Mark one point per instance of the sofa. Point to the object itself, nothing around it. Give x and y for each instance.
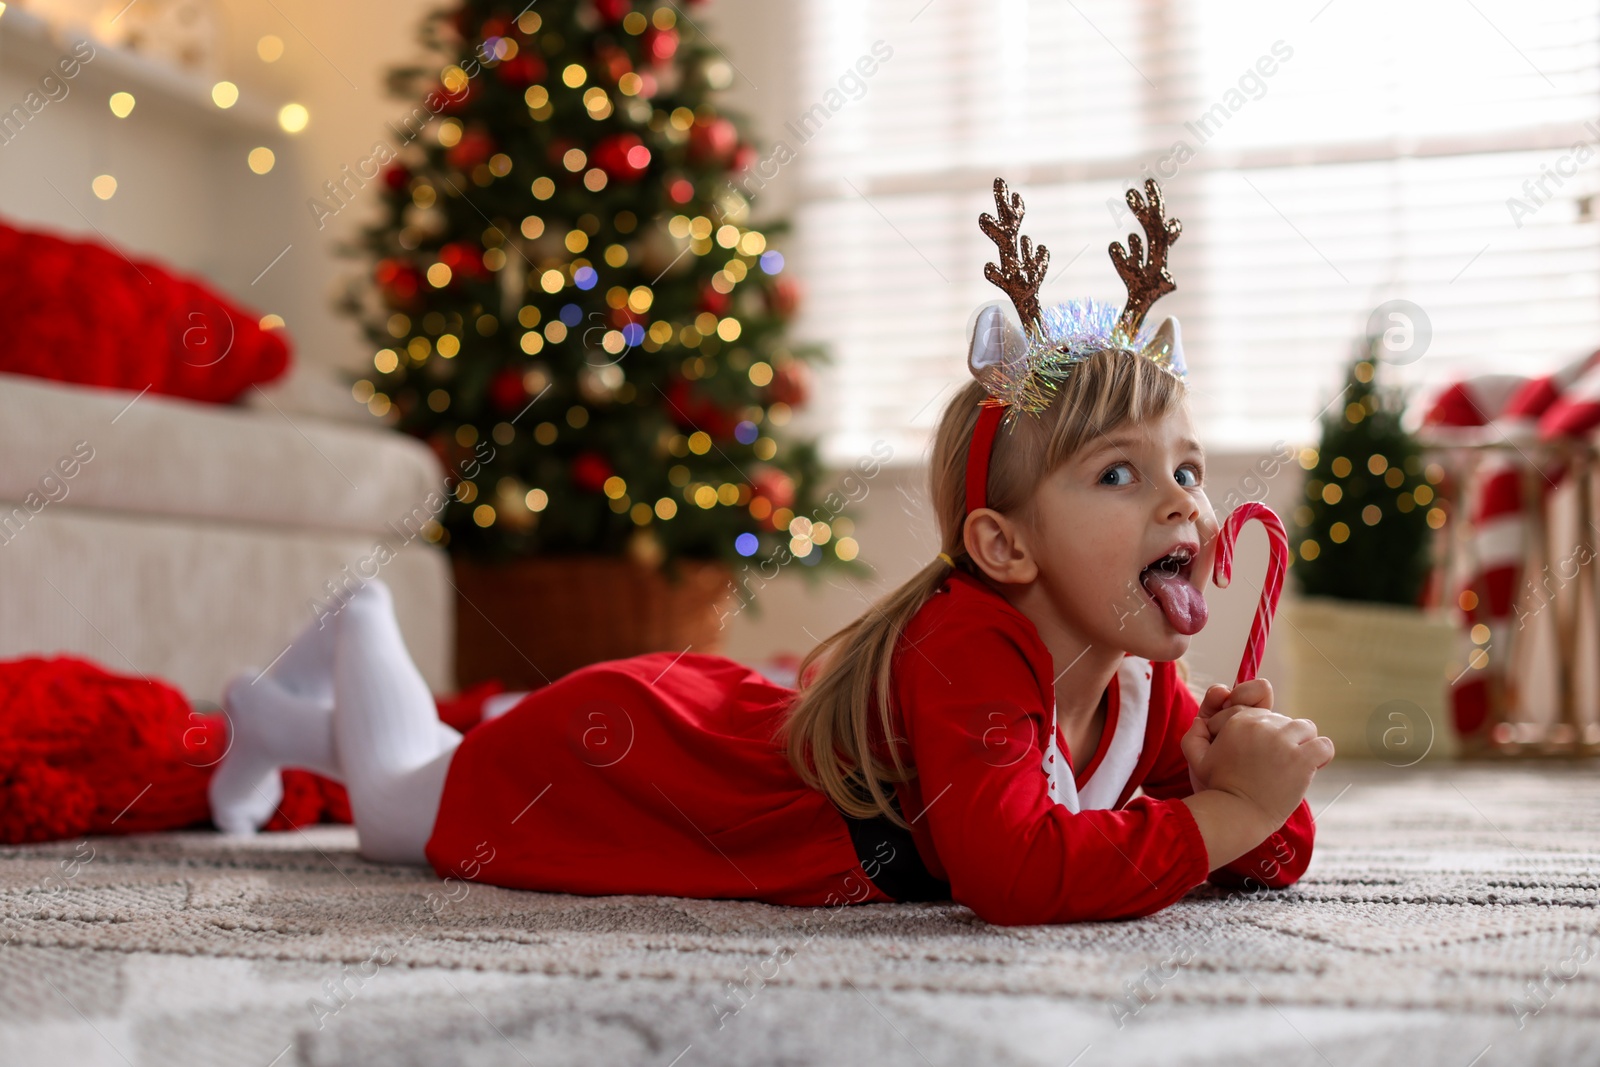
(189, 541)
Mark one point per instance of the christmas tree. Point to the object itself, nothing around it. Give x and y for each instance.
(1363, 531)
(570, 303)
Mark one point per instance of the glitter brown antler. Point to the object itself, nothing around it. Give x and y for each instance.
(1147, 279)
(1022, 267)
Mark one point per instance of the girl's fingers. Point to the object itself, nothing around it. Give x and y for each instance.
(1196, 742)
(1256, 693)
(1216, 697)
(1300, 731)
(1220, 719)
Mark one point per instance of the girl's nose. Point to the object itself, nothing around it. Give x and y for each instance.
(1180, 506)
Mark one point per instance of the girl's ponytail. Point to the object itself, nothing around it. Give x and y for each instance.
(829, 729)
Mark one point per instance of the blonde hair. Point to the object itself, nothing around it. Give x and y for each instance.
(828, 729)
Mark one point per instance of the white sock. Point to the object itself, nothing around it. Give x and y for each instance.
(269, 728)
(306, 667)
(386, 731)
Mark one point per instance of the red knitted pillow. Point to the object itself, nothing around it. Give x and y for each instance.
(79, 312)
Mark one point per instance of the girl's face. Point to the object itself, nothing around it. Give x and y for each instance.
(1124, 538)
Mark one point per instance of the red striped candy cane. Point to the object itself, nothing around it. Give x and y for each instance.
(1222, 573)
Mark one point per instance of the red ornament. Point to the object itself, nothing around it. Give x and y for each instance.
(612, 12)
(713, 142)
(681, 190)
(773, 484)
(523, 69)
(613, 61)
(783, 297)
(400, 282)
(713, 301)
(791, 383)
(474, 148)
(622, 156)
(506, 391)
(744, 157)
(660, 45)
(693, 411)
(396, 177)
(464, 260)
(590, 471)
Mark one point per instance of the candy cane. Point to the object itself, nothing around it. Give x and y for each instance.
(1222, 573)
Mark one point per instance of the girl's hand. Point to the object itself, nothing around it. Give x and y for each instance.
(1256, 693)
(1262, 757)
(1220, 704)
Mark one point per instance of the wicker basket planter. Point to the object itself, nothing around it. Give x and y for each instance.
(1373, 677)
(530, 621)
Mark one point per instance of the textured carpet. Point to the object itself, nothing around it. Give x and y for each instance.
(1436, 896)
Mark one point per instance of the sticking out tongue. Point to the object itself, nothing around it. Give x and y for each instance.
(1180, 602)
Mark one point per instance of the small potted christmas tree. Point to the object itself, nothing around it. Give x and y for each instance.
(1369, 662)
(569, 300)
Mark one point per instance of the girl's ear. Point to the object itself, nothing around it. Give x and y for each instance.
(998, 546)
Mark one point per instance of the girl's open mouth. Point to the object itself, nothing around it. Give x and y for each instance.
(1166, 580)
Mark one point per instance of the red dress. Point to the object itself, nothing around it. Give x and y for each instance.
(659, 774)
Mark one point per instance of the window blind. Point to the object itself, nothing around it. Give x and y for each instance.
(1324, 158)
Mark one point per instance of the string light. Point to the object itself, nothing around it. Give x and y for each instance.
(224, 94)
(261, 160)
(293, 117)
(270, 48)
(121, 104)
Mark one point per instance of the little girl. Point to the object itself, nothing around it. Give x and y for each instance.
(978, 735)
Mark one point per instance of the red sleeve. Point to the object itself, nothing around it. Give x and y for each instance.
(1278, 861)
(976, 722)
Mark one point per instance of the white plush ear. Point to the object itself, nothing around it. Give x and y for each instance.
(1167, 346)
(997, 348)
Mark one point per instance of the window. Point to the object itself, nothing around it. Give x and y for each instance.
(1324, 160)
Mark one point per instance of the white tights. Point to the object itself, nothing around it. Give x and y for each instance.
(344, 701)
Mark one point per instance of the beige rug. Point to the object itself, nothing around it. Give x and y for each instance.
(1436, 896)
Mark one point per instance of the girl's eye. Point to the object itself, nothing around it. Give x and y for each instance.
(1188, 477)
(1121, 474)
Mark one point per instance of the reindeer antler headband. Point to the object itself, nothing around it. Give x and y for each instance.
(1021, 354)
